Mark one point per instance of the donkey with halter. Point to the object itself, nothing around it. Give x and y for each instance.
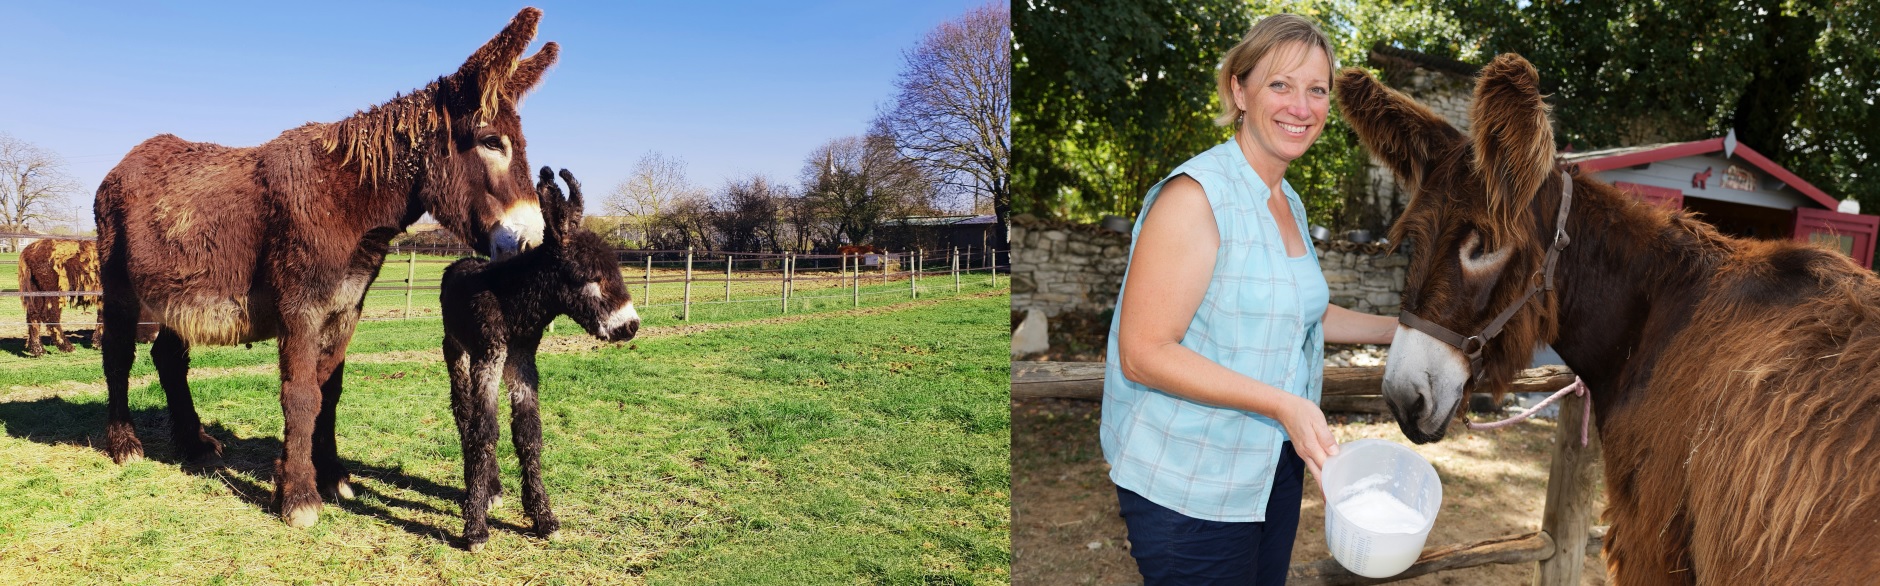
(230, 245)
(494, 314)
(1733, 380)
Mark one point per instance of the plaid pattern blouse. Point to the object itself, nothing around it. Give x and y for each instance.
(1210, 462)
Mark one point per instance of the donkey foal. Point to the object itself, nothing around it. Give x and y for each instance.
(494, 314)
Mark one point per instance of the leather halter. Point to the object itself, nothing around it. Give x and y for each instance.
(1473, 345)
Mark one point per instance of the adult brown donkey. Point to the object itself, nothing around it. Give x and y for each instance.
(230, 245)
(1736, 382)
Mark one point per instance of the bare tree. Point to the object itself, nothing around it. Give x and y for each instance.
(952, 112)
(689, 222)
(807, 228)
(749, 215)
(858, 182)
(657, 183)
(33, 186)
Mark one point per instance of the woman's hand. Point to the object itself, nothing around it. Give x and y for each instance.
(1311, 437)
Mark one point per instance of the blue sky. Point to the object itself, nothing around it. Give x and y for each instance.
(732, 88)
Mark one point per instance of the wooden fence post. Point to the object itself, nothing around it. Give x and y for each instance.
(649, 280)
(913, 276)
(411, 273)
(992, 266)
(783, 285)
(687, 314)
(728, 260)
(856, 283)
(955, 263)
(1570, 491)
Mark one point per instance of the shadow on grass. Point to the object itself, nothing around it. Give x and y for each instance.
(54, 421)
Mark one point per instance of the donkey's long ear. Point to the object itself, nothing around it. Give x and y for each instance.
(1514, 142)
(488, 70)
(529, 71)
(550, 196)
(573, 214)
(500, 53)
(1401, 133)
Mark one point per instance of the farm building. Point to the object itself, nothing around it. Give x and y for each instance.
(938, 233)
(1736, 189)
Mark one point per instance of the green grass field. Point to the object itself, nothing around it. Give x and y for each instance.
(845, 446)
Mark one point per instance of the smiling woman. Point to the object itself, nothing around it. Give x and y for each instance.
(1210, 404)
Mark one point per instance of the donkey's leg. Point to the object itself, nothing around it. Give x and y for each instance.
(474, 404)
(56, 327)
(333, 478)
(525, 429)
(118, 316)
(171, 356)
(294, 486)
(34, 316)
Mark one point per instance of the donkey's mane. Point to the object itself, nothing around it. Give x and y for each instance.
(372, 138)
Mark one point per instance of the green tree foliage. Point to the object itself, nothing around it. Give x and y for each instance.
(1111, 95)
(1796, 79)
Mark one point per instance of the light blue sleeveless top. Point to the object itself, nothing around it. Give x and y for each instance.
(1262, 316)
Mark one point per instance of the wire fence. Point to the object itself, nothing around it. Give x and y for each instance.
(677, 279)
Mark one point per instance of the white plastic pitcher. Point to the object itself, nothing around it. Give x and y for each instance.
(1399, 472)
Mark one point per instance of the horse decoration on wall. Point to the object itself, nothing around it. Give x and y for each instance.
(1736, 382)
(229, 245)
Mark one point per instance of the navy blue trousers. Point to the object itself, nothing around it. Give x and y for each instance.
(1174, 549)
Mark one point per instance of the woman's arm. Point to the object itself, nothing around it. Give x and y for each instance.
(1344, 326)
(1168, 275)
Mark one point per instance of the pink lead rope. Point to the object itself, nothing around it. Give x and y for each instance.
(1577, 388)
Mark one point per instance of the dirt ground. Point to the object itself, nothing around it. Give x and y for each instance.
(1065, 528)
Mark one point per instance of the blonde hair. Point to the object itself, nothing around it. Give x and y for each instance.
(1270, 33)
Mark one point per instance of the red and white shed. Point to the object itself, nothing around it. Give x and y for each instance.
(1736, 189)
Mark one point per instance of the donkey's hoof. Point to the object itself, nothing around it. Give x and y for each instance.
(344, 489)
(302, 517)
(474, 546)
(122, 443)
(553, 535)
(496, 502)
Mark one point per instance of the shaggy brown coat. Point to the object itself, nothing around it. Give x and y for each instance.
(1734, 381)
(228, 245)
(49, 266)
(55, 265)
(494, 314)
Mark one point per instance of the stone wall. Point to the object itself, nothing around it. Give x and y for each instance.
(1363, 278)
(1070, 267)
(1058, 267)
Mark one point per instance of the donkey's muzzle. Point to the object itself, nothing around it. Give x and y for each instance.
(621, 324)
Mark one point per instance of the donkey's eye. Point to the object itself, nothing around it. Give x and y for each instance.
(493, 142)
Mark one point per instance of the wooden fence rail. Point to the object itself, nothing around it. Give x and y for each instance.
(848, 271)
(1558, 550)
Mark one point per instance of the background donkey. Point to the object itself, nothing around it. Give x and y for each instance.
(54, 265)
(1734, 381)
(50, 266)
(229, 245)
(494, 314)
